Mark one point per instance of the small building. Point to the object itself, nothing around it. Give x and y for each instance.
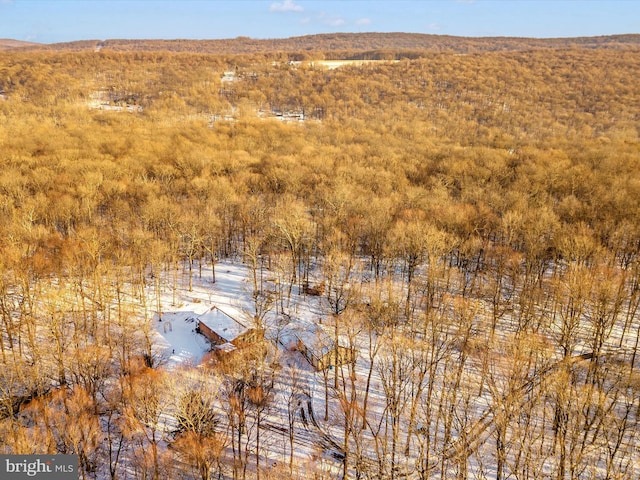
(222, 329)
(316, 345)
(228, 77)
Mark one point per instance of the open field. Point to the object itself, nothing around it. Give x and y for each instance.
(331, 64)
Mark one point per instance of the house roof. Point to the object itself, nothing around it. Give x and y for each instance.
(223, 324)
(317, 341)
(226, 347)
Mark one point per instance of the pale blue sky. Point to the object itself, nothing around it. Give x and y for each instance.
(49, 21)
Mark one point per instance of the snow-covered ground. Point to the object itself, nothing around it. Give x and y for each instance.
(178, 340)
(181, 347)
(176, 337)
(333, 64)
(319, 441)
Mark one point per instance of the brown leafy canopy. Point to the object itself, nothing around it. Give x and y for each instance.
(491, 138)
(488, 136)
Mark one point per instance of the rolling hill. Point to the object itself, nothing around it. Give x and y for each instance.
(8, 43)
(341, 45)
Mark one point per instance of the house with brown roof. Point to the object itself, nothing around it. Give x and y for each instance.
(225, 331)
(316, 345)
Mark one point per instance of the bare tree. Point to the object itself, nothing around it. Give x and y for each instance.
(198, 437)
(145, 421)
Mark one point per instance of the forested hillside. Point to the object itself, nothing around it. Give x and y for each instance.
(476, 216)
(344, 45)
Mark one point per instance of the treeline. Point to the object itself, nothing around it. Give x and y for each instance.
(500, 190)
(343, 45)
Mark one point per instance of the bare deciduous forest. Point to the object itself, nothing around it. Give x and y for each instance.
(466, 217)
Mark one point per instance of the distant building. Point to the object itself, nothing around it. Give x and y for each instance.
(228, 77)
(224, 331)
(316, 345)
